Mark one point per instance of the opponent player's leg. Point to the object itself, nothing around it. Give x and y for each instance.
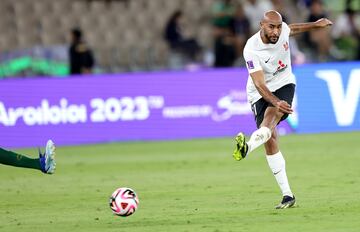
(276, 163)
(47, 159)
(45, 162)
(17, 160)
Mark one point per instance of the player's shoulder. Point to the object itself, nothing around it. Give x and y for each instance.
(285, 28)
(252, 44)
(284, 24)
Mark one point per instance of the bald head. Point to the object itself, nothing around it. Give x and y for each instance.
(272, 16)
(271, 25)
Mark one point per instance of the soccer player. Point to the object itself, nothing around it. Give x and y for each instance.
(45, 162)
(270, 91)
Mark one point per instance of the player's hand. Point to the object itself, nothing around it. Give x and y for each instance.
(323, 22)
(284, 107)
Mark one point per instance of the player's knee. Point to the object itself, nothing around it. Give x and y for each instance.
(274, 135)
(279, 115)
(267, 132)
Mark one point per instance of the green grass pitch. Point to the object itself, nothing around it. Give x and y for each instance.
(188, 186)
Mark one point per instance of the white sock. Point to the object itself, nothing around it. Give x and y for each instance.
(259, 137)
(277, 165)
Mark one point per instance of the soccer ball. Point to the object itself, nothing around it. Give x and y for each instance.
(124, 202)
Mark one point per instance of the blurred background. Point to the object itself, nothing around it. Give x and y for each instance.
(57, 38)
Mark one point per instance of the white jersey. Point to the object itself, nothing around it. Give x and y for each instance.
(273, 59)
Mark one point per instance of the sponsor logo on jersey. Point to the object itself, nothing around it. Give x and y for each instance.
(280, 68)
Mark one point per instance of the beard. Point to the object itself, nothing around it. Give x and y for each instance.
(272, 39)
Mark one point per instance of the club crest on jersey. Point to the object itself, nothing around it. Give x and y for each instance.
(286, 46)
(250, 64)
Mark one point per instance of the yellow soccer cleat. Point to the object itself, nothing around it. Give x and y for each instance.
(242, 148)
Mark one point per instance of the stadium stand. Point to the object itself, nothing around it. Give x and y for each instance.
(125, 35)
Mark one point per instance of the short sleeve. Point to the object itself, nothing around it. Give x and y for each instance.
(252, 61)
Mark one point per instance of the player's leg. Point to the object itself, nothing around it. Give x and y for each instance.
(274, 156)
(266, 120)
(276, 163)
(266, 129)
(45, 162)
(17, 160)
(258, 137)
(267, 117)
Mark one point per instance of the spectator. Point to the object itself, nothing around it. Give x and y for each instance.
(346, 33)
(254, 11)
(280, 6)
(240, 27)
(223, 12)
(80, 56)
(177, 42)
(225, 52)
(224, 39)
(318, 39)
(317, 11)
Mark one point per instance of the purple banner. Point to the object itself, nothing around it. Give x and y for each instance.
(142, 106)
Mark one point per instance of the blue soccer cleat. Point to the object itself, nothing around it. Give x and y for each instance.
(47, 159)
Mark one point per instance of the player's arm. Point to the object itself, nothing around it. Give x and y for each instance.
(259, 82)
(297, 28)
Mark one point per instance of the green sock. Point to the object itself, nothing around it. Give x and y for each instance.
(17, 160)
